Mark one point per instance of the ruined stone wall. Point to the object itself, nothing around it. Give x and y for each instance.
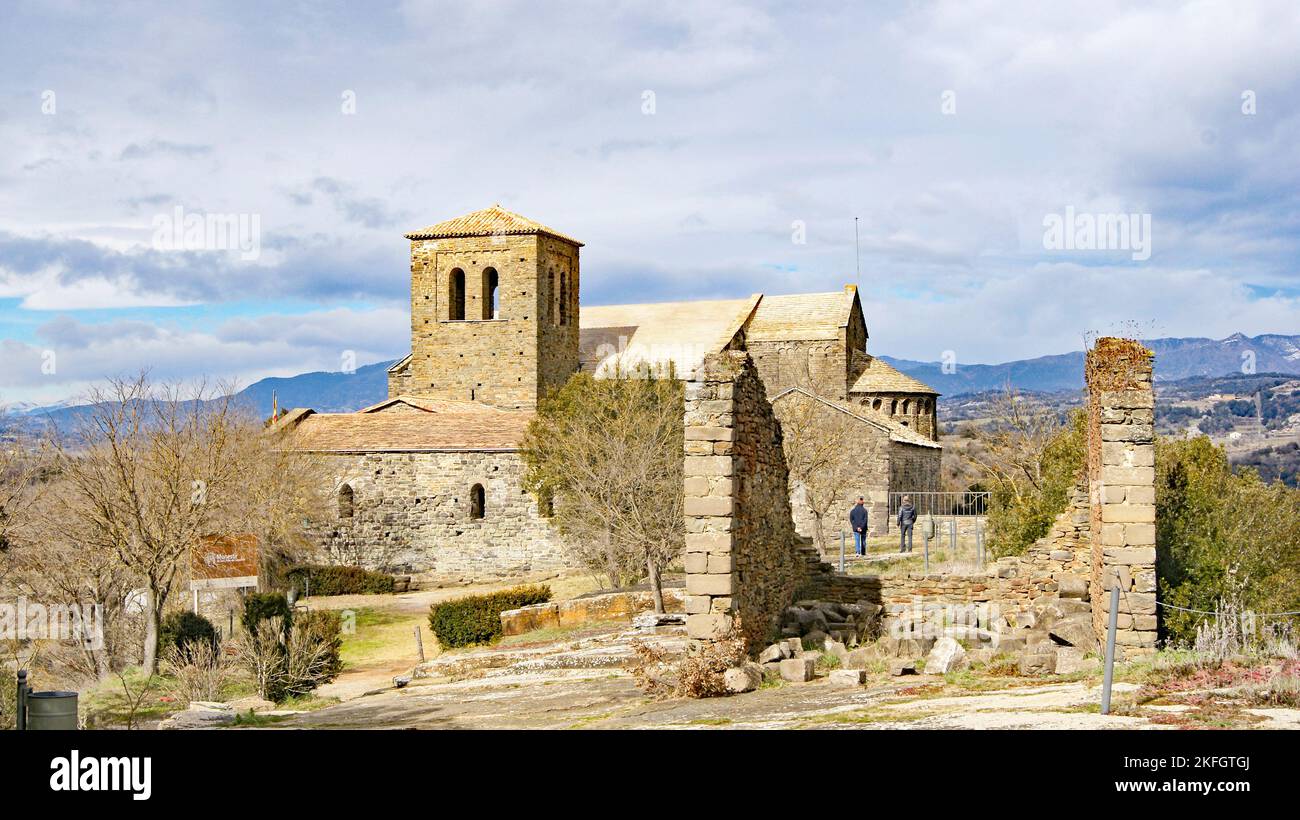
(411, 513)
(1121, 473)
(742, 554)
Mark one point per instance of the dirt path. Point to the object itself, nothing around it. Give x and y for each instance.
(383, 644)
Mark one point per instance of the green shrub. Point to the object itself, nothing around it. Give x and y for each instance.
(259, 606)
(318, 579)
(1225, 540)
(1022, 510)
(182, 628)
(477, 618)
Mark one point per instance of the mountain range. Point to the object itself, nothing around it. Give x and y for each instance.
(1175, 359)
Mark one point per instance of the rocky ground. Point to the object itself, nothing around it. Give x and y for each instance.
(585, 683)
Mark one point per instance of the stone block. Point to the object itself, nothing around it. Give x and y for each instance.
(848, 677)
(1129, 555)
(1140, 476)
(1038, 663)
(1069, 659)
(946, 656)
(1128, 513)
(708, 505)
(708, 585)
(697, 485)
(697, 604)
(797, 670)
(707, 626)
(744, 678)
(1072, 586)
(720, 563)
(708, 541)
(1136, 535)
(775, 652)
(710, 434)
(707, 466)
(693, 562)
(902, 666)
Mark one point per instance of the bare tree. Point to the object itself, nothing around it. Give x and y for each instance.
(829, 449)
(154, 468)
(1011, 445)
(606, 456)
(23, 459)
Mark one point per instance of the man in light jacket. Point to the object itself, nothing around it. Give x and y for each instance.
(858, 520)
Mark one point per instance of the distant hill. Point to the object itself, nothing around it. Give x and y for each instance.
(1175, 359)
(321, 391)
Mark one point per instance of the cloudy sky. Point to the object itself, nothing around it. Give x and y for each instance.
(700, 149)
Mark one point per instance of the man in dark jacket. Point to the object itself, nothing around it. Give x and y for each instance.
(858, 520)
(906, 518)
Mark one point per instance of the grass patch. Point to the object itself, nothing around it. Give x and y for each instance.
(383, 637)
(251, 719)
(869, 716)
(715, 721)
(587, 720)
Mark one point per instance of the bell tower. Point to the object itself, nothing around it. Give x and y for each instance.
(494, 310)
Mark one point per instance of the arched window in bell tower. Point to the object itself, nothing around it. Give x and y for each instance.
(491, 309)
(456, 295)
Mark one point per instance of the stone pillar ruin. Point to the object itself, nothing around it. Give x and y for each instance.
(1121, 477)
(741, 559)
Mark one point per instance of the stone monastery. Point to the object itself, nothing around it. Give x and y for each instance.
(429, 480)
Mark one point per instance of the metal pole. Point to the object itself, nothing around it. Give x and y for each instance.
(1110, 649)
(841, 551)
(21, 715)
(926, 531)
(952, 538)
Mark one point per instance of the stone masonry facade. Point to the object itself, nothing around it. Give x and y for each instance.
(463, 349)
(1121, 474)
(742, 554)
(412, 512)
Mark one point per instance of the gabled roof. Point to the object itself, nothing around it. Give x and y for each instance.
(802, 316)
(897, 432)
(494, 221)
(881, 377)
(428, 405)
(659, 334)
(460, 430)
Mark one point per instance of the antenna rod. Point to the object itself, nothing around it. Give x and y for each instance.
(857, 254)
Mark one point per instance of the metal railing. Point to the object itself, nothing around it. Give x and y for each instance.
(941, 504)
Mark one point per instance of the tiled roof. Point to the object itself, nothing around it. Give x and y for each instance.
(801, 316)
(658, 333)
(897, 432)
(428, 405)
(880, 377)
(494, 221)
(486, 429)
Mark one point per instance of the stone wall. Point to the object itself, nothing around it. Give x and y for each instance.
(1121, 473)
(508, 360)
(742, 554)
(411, 513)
(817, 365)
